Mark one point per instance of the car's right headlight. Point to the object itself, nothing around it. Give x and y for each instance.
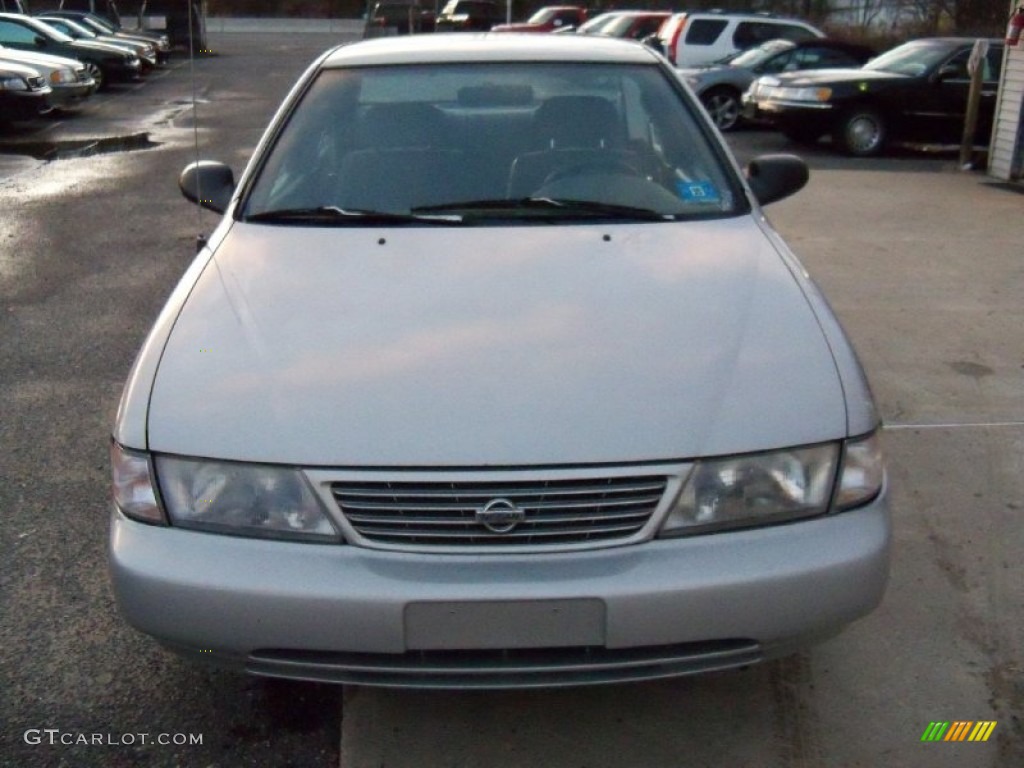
(818, 95)
(13, 84)
(241, 499)
(776, 486)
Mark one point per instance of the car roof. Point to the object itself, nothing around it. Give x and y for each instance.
(829, 42)
(952, 41)
(485, 47)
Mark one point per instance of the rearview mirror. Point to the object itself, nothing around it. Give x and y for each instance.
(773, 177)
(208, 183)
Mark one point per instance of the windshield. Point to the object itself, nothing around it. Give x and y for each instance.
(99, 25)
(756, 56)
(72, 29)
(909, 59)
(542, 16)
(597, 24)
(473, 142)
(52, 32)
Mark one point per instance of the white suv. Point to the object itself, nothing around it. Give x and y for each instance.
(691, 39)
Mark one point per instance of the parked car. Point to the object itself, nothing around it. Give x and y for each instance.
(103, 26)
(632, 25)
(690, 39)
(493, 374)
(104, 63)
(24, 93)
(721, 86)
(105, 9)
(70, 84)
(548, 19)
(76, 31)
(398, 17)
(916, 92)
(469, 16)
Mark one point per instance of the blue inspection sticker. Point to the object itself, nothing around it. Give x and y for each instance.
(698, 192)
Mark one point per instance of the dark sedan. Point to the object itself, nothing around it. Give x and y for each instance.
(469, 16)
(103, 26)
(720, 86)
(104, 62)
(398, 17)
(77, 31)
(917, 92)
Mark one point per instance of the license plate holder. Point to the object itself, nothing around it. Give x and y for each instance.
(493, 624)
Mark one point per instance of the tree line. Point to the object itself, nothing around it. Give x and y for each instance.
(857, 17)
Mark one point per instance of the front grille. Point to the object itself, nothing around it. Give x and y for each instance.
(513, 668)
(555, 512)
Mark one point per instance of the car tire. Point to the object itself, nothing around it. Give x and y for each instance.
(96, 73)
(723, 104)
(861, 132)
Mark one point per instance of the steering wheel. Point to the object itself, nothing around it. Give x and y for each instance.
(592, 167)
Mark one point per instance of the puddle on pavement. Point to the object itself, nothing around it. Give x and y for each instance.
(64, 150)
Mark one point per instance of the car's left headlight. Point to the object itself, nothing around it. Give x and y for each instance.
(765, 488)
(241, 499)
(818, 95)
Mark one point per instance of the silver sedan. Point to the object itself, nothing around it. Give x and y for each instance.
(493, 374)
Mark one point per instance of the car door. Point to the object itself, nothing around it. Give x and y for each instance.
(935, 111)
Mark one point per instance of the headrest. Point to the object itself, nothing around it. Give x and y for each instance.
(577, 121)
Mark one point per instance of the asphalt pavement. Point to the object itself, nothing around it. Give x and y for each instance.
(921, 261)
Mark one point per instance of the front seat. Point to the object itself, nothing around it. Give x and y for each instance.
(569, 132)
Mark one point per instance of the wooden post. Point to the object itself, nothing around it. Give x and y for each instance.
(976, 68)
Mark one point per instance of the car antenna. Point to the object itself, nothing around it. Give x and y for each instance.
(200, 237)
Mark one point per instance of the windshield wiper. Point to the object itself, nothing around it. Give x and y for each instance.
(551, 208)
(332, 215)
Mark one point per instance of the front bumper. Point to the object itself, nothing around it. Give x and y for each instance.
(341, 613)
(808, 115)
(122, 70)
(71, 95)
(24, 105)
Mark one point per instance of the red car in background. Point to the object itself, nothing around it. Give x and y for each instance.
(548, 19)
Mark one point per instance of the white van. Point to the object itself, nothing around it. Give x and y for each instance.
(691, 39)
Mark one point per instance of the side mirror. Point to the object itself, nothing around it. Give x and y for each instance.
(773, 177)
(41, 42)
(208, 183)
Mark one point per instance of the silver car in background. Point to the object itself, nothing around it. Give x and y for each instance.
(70, 84)
(493, 374)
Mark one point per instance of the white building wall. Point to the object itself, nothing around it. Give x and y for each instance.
(1006, 152)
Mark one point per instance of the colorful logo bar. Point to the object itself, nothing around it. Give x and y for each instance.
(959, 730)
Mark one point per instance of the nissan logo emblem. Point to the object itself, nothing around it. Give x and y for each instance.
(500, 516)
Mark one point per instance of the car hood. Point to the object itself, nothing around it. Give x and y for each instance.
(98, 47)
(523, 27)
(19, 68)
(38, 59)
(835, 76)
(512, 346)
